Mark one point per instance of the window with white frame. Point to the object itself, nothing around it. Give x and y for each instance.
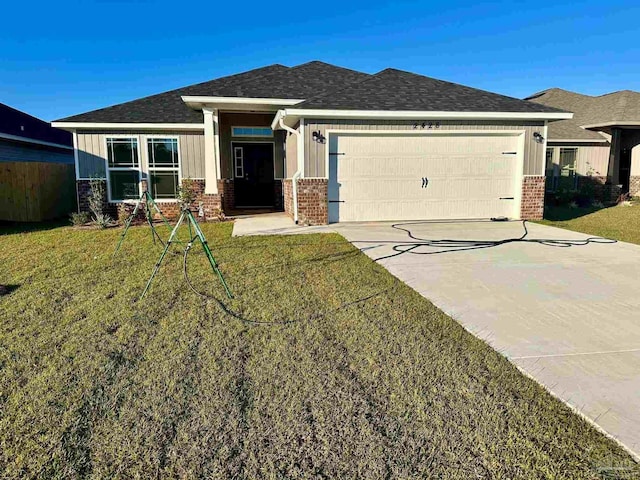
(238, 161)
(251, 132)
(123, 168)
(568, 157)
(164, 168)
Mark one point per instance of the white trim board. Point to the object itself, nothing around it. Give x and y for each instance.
(294, 114)
(577, 140)
(128, 126)
(18, 138)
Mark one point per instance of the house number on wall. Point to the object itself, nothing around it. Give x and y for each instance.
(426, 125)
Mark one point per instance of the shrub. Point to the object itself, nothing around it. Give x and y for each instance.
(103, 220)
(97, 197)
(218, 215)
(186, 193)
(123, 213)
(79, 218)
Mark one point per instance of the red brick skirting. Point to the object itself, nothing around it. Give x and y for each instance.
(287, 193)
(312, 201)
(532, 207)
(212, 204)
(634, 186)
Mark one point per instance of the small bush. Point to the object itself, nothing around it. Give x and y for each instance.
(103, 220)
(123, 213)
(97, 198)
(186, 193)
(79, 218)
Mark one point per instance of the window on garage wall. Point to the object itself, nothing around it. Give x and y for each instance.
(164, 167)
(123, 168)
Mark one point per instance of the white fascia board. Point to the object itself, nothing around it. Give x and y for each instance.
(127, 126)
(18, 138)
(241, 100)
(578, 140)
(425, 115)
(238, 104)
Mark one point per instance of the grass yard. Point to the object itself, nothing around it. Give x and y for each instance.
(619, 223)
(96, 383)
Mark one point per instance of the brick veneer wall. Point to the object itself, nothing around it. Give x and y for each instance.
(313, 208)
(634, 186)
(211, 203)
(532, 207)
(287, 196)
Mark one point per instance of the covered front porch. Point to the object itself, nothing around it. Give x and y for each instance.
(624, 154)
(245, 159)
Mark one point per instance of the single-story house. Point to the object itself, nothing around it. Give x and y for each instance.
(601, 142)
(325, 144)
(37, 181)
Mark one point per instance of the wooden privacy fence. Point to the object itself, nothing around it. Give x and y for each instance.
(36, 191)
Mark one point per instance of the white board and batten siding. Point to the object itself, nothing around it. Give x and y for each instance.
(435, 175)
(92, 151)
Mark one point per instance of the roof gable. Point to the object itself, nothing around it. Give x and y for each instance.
(397, 90)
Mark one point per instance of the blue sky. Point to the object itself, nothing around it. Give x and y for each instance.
(61, 58)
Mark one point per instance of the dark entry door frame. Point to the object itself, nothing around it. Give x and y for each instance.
(254, 173)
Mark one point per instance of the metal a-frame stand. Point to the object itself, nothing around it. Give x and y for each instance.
(187, 216)
(145, 199)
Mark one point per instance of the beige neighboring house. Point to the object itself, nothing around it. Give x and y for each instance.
(323, 143)
(601, 141)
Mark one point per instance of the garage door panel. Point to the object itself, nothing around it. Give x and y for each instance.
(381, 177)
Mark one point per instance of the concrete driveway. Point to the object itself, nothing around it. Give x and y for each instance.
(568, 317)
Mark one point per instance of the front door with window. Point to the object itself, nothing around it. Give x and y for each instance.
(253, 173)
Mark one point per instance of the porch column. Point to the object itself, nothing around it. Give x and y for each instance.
(211, 151)
(614, 156)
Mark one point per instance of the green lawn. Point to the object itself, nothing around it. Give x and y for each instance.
(95, 383)
(619, 223)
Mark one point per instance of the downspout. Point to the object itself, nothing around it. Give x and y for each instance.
(297, 174)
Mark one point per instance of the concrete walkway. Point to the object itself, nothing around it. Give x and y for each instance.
(568, 317)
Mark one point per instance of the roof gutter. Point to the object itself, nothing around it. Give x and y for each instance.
(279, 121)
(295, 113)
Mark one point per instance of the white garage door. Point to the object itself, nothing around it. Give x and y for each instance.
(410, 177)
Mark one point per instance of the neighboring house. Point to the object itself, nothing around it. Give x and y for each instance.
(36, 168)
(24, 138)
(601, 141)
(324, 143)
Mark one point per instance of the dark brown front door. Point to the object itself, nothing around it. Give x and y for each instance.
(253, 171)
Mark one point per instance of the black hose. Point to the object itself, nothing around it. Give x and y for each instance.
(449, 245)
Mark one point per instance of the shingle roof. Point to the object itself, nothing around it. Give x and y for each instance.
(622, 106)
(304, 81)
(274, 81)
(168, 107)
(325, 86)
(20, 124)
(393, 89)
